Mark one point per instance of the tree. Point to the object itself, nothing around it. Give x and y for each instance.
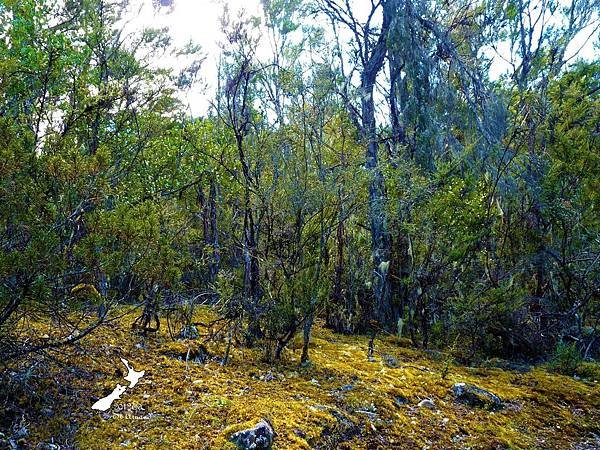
(370, 45)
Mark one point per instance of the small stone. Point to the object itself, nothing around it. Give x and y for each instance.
(189, 332)
(400, 401)
(21, 433)
(259, 437)
(427, 403)
(47, 446)
(269, 377)
(298, 432)
(391, 361)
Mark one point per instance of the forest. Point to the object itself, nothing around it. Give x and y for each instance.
(382, 232)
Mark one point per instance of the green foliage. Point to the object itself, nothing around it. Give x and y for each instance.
(566, 358)
(589, 370)
(83, 155)
(489, 191)
(447, 208)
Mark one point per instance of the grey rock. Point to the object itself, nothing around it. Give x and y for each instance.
(20, 433)
(472, 395)
(390, 361)
(427, 403)
(592, 443)
(298, 432)
(270, 377)
(4, 442)
(400, 400)
(47, 446)
(259, 437)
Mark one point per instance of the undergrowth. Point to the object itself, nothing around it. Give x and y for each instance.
(339, 400)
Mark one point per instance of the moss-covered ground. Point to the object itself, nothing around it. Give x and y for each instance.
(341, 400)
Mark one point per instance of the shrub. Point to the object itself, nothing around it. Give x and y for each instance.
(566, 359)
(589, 370)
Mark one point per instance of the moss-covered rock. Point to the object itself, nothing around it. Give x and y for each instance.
(475, 396)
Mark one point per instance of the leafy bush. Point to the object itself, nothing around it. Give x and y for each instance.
(566, 359)
(589, 370)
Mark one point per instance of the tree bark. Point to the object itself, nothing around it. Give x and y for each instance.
(385, 311)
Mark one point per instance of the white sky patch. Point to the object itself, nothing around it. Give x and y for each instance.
(198, 21)
(580, 47)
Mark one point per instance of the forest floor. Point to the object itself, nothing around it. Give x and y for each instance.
(340, 400)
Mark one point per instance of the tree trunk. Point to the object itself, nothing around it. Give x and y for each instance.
(306, 337)
(385, 312)
(211, 233)
(252, 291)
(341, 308)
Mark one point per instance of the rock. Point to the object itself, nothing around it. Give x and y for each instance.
(268, 377)
(436, 355)
(47, 446)
(506, 365)
(259, 437)
(21, 433)
(427, 403)
(472, 395)
(344, 430)
(4, 442)
(342, 390)
(200, 355)
(592, 443)
(400, 400)
(390, 361)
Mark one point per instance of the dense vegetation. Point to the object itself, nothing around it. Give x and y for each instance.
(369, 174)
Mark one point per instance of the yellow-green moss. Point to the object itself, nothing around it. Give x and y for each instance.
(190, 405)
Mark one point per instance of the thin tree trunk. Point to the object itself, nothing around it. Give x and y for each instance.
(385, 312)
